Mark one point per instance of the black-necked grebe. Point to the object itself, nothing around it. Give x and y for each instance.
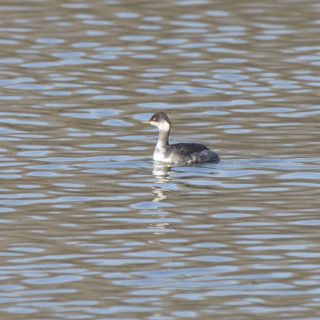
(180, 152)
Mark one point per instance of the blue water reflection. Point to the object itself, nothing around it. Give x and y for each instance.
(91, 227)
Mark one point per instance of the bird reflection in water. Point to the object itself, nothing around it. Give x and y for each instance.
(161, 172)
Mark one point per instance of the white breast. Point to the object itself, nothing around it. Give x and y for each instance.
(159, 155)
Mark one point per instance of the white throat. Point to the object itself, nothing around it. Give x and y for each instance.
(163, 126)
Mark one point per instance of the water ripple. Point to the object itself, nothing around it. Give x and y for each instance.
(91, 227)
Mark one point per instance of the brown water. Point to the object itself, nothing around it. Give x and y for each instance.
(91, 228)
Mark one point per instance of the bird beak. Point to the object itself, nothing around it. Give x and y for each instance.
(146, 122)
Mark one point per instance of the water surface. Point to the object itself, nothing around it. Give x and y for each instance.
(91, 228)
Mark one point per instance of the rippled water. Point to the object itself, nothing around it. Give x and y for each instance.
(91, 228)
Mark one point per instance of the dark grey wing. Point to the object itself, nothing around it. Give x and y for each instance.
(186, 149)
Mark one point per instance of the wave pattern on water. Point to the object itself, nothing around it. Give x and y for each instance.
(91, 228)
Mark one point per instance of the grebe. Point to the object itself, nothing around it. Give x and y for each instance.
(179, 152)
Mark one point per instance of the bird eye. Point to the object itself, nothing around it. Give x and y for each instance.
(154, 119)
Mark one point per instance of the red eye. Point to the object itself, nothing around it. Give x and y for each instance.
(154, 119)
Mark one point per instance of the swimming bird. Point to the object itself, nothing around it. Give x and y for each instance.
(180, 152)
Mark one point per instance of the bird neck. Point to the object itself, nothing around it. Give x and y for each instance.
(163, 139)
